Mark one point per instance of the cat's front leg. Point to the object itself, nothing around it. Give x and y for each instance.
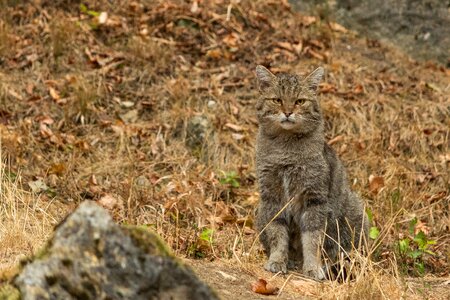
(312, 262)
(274, 237)
(312, 225)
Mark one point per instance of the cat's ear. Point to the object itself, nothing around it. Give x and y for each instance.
(315, 78)
(265, 77)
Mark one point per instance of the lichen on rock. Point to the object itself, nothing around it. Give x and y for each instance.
(91, 257)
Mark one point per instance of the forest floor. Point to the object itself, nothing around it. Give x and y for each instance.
(148, 108)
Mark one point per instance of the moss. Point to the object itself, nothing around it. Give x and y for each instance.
(9, 292)
(42, 253)
(147, 240)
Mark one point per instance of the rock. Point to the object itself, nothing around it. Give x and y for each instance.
(91, 257)
(420, 28)
(198, 128)
(212, 104)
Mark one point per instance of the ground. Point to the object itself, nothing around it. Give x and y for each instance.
(148, 109)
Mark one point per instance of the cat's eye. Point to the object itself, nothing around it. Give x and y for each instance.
(277, 101)
(300, 101)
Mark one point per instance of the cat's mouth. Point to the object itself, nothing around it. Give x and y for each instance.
(287, 124)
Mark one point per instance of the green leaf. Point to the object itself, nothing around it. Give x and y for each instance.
(420, 267)
(83, 8)
(206, 235)
(429, 252)
(230, 178)
(403, 246)
(369, 215)
(415, 254)
(93, 13)
(235, 183)
(374, 232)
(421, 239)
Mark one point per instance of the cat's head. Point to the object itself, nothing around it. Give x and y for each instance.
(288, 102)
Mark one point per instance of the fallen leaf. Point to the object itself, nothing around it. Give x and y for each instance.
(262, 287)
(57, 169)
(445, 158)
(308, 20)
(358, 89)
(375, 184)
(335, 140)
(194, 7)
(286, 45)
(38, 186)
(127, 104)
(237, 136)
(109, 202)
(234, 127)
(227, 276)
(54, 94)
(337, 27)
(103, 17)
(130, 117)
(421, 226)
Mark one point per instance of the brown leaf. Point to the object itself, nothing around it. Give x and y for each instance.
(337, 27)
(262, 287)
(109, 202)
(315, 54)
(214, 53)
(57, 169)
(308, 20)
(325, 88)
(421, 226)
(54, 94)
(358, 89)
(286, 45)
(231, 40)
(335, 140)
(234, 127)
(375, 183)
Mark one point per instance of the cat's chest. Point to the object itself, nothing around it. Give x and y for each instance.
(292, 179)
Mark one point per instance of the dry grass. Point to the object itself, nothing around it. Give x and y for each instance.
(27, 220)
(127, 91)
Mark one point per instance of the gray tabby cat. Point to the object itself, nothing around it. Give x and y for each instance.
(294, 162)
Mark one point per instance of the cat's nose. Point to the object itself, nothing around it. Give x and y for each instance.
(287, 114)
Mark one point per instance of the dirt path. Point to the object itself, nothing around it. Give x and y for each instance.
(233, 281)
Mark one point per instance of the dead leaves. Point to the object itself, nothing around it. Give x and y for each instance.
(376, 183)
(110, 202)
(337, 27)
(264, 288)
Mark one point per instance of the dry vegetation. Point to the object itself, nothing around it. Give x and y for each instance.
(150, 111)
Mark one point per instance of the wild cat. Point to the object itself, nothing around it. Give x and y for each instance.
(294, 163)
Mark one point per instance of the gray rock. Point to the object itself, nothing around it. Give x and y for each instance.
(198, 129)
(91, 257)
(419, 27)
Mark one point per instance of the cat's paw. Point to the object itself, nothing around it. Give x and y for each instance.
(276, 266)
(314, 271)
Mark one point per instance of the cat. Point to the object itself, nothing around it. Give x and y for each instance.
(295, 165)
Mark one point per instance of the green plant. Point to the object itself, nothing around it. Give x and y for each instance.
(413, 249)
(203, 244)
(230, 179)
(374, 232)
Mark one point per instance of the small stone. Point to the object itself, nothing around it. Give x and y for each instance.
(212, 104)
